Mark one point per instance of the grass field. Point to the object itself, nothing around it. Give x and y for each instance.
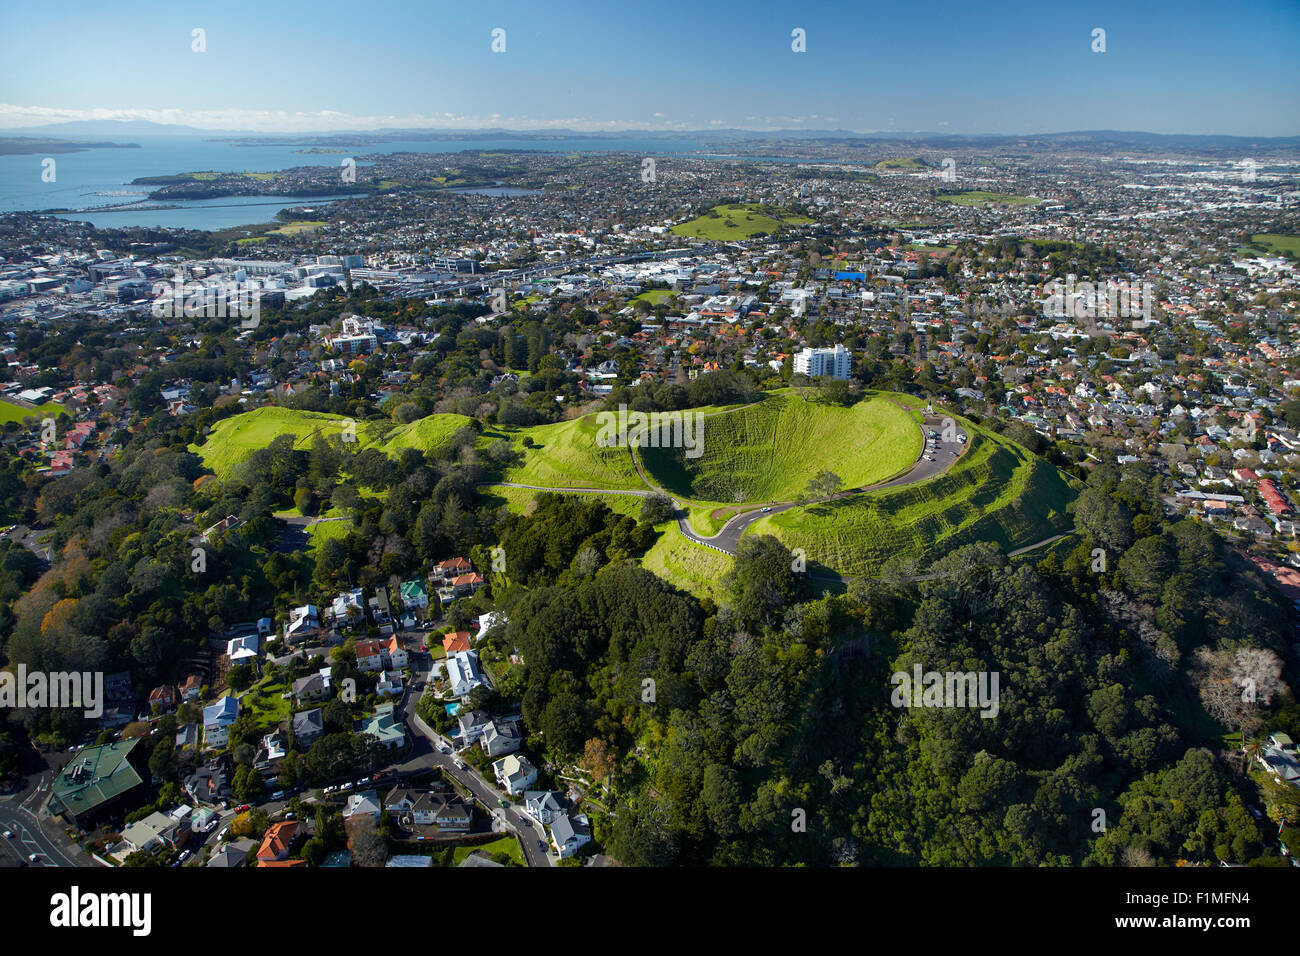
(233, 440)
(901, 162)
(324, 530)
(11, 412)
(978, 197)
(1275, 243)
(654, 296)
(768, 452)
(737, 221)
(995, 492)
(507, 846)
(685, 564)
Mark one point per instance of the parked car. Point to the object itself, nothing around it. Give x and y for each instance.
(243, 808)
(185, 855)
(33, 858)
(9, 834)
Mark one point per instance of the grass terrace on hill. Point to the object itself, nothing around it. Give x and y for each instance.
(997, 491)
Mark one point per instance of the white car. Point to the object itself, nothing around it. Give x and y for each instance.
(766, 510)
(33, 858)
(9, 834)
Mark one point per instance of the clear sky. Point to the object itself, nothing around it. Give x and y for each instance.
(1197, 66)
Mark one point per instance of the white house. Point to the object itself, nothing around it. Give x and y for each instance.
(570, 834)
(463, 673)
(544, 806)
(514, 773)
(217, 719)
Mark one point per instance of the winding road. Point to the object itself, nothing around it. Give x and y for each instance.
(727, 538)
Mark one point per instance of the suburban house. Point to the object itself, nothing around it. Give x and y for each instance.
(153, 833)
(275, 746)
(370, 655)
(385, 727)
(232, 854)
(380, 611)
(278, 841)
(363, 804)
(500, 737)
(395, 655)
(414, 595)
(217, 719)
(446, 570)
(191, 688)
(163, 698)
(444, 811)
(543, 805)
(472, 725)
(462, 672)
(241, 650)
(514, 773)
(441, 810)
(456, 642)
(207, 784)
(464, 585)
(569, 834)
(308, 725)
(347, 608)
(312, 687)
(304, 622)
(389, 684)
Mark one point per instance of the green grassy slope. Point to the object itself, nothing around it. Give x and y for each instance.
(233, 440)
(565, 455)
(768, 452)
(995, 492)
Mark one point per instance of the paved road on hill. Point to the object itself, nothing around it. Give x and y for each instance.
(427, 751)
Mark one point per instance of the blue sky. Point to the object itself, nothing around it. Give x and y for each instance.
(1194, 67)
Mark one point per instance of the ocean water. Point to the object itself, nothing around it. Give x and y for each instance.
(102, 177)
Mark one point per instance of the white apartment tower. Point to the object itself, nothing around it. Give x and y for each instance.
(831, 363)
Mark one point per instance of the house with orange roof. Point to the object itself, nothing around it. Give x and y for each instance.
(456, 641)
(277, 841)
(370, 655)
